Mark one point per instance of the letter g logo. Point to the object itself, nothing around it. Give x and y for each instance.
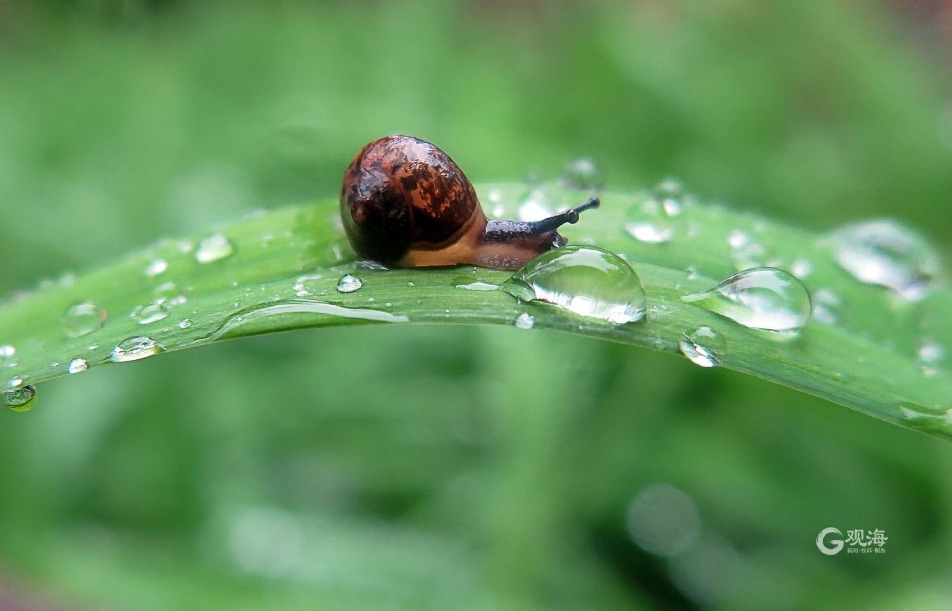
(836, 543)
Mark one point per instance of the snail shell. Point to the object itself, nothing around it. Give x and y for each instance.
(405, 202)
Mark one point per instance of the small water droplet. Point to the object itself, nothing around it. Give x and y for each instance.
(8, 356)
(649, 232)
(525, 321)
(168, 293)
(649, 221)
(670, 193)
(582, 174)
(885, 253)
(925, 419)
(738, 239)
(134, 349)
(349, 284)
(826, 307)
(745, 252)
(20, 399)
(307, 284)
(534, 206)
(156, 267)
(77, 365)
(151, 313)
(703, 347)
(185, 324)
(931, 353)
(213, 248)
(585, 280)
(801, 268)
(83, 318)
(478, 286)
(761, 298)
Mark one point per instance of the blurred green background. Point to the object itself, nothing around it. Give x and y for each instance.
(458, 468)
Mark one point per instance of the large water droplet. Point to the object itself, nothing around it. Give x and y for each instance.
(151, 313)
(83, 318)
(586, 280)
(703, 347)
(213, 248)
(581, 174)
(20, 399)
(256, 314)
(885, 253)
(77, 365)
(134, 349)
(761, 298)
(349, 284)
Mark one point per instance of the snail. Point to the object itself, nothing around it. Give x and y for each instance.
(404, 202)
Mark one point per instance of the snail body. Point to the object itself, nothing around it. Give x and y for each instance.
(404, 202)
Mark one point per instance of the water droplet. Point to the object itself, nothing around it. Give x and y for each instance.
(671, 195)
(151, 313)
(923, 418)
(826, 307)
(213, 248)
(649, 232)
(185, 324)
(761, 298)
(156, 267)
(649, 221)
(134, 349)
(167, 292)
(745, 252)
(21, 399)
(307, 284)
(349, 284)
(703, 347)
(581, 174)
(8, 356)
(284, 308)
(931, 353)
(586, 280)
(371, 264)
(738, 239)
(525, 321)
(801, 268)
(77, 365)
(478, 286)
(885, 253)
(83, 318)
(534, 206)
